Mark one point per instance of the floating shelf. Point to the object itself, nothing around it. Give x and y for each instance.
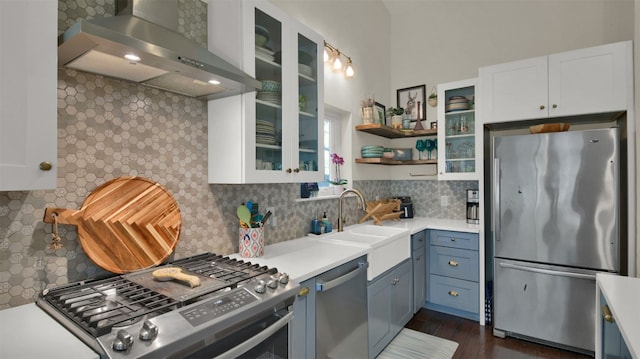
(391, 162)
(389, 132)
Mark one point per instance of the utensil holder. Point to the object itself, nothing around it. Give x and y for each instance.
(251, 242)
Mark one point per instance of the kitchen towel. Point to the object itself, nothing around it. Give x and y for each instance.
(410, 344)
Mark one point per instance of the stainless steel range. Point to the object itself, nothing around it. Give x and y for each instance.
(237, 309)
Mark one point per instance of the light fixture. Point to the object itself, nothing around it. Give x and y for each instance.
(214, 82)
(132, 57)
(332, 57)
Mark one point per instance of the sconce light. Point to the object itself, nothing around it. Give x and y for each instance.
(332, 56)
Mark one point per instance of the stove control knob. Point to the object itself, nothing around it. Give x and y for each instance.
(148, 332)
(284, 278)
(273, 284)
(260, 287)
(123, 341)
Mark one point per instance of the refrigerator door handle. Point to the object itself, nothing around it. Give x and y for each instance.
(495, 219)
(548, 271)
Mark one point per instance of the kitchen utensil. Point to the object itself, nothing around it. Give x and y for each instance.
(249, 206)
(175, 273)
(126, 224)
(244, 214)
(265, 218)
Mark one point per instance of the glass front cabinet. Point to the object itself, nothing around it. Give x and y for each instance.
(273, 135)
(457, 131)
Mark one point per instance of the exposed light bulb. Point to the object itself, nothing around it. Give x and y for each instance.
(327, 54)
(337, 63)
(349, 71)
(214, 82)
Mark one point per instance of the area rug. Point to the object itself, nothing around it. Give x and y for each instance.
(410, 344)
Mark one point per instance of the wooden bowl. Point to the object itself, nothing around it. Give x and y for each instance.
(549, 127)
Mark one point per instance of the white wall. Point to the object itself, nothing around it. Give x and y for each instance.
(636, 57)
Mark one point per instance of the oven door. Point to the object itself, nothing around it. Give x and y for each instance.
(266, 338)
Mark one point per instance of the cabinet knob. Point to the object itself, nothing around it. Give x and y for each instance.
(542, 107)
(304, 291)
(606, 314)
(554, 105)
(453, 293)
(45, 166)
(453, 239)
(296, 170)
(288, 170)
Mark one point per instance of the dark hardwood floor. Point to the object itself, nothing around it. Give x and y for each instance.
(476, 341)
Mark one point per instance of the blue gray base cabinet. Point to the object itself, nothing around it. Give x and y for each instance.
(453, 280)
(613, 345)
(390, 305)
(302, 330)
(418, 253)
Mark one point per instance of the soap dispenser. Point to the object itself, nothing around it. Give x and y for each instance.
(316, 225)
(326, 223)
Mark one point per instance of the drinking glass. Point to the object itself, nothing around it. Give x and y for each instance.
(428, 146)
(420, 146)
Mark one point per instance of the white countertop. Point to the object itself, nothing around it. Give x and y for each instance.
(306, 257)
(21, 327)
(623, 297)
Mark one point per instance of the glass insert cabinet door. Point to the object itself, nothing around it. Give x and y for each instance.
(269, 114)
(457, 130)
(308, 125)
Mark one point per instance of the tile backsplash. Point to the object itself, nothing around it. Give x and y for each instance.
(109, 128)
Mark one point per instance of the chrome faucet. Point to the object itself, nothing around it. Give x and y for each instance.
(362, 203)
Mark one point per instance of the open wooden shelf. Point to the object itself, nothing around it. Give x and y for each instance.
(391, 162)
(389, 132)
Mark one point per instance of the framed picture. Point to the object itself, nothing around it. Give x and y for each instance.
(413, 100)
(380, 114)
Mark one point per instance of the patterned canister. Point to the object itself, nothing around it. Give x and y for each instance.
(251, 242)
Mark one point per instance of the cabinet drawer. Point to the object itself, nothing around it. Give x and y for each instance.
(454, 293)
(418, 240)
(461, 240)
(453, 262)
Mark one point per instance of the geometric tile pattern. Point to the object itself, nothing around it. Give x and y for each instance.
(109, 128)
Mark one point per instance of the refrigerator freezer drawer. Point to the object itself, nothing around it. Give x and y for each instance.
(453, 262)
(549, 303)
(454, 293)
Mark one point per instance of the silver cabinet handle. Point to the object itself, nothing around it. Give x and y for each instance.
(548, 271)
(495, 219)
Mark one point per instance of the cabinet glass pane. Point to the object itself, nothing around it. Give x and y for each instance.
(307, 104)
(460, 131)
(269, 99)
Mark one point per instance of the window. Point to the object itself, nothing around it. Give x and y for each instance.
(332, 129)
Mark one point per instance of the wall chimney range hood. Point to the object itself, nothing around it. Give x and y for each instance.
(156, 54)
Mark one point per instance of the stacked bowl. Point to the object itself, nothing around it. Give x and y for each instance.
(270, 92)
(372, 151)
(457, 103)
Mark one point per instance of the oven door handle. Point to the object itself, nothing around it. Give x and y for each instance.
(257, 339)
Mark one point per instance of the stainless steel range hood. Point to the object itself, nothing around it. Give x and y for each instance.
(146, 29)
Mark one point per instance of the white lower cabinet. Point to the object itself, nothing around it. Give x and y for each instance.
(390, 306)
(302, 331)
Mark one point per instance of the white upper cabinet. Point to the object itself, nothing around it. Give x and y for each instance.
(28, 72)
(586, 81)
(274, 135)
(457, 129)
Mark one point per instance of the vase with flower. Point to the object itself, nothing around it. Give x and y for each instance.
(338, 182)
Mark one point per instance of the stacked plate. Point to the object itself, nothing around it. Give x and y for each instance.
(265, 133)
(273, 97)
(264, 53)
(457, 103)
(305, 70)
(372, 151)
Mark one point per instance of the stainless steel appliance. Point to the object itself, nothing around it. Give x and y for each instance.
(473, 206)
(238, 310)
(555, 224)
(341, 311)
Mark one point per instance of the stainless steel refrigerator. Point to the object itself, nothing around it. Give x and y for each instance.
(555, 224)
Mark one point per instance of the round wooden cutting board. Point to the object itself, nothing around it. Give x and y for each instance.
(128, 223)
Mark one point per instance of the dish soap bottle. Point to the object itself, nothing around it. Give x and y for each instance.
(326, 223)
(316, 226)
